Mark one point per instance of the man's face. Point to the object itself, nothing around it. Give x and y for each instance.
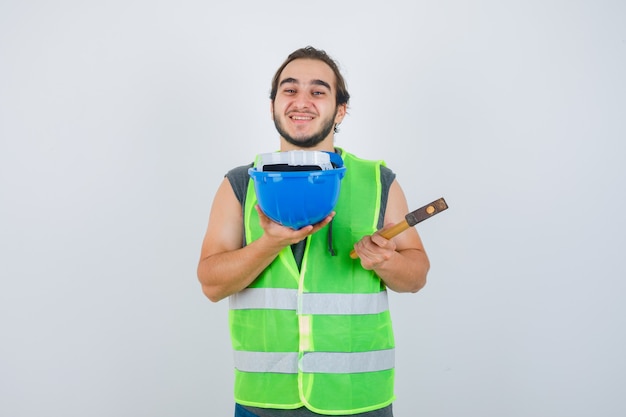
(304, 110)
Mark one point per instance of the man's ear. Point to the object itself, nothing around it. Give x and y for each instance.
(341, 113)
(272, 109)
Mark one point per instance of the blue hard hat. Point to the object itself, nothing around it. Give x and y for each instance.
(297, 198)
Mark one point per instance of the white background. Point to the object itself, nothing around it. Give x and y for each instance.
(118, 120)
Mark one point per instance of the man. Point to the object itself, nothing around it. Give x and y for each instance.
(337, 357)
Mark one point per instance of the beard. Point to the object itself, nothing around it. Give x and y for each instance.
(307, 141)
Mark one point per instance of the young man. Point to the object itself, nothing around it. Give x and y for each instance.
(335, 358)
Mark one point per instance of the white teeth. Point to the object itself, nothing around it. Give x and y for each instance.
(301, 118)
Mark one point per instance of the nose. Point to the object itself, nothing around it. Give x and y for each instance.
(301, 101)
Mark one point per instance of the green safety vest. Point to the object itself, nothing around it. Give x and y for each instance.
(322, 336)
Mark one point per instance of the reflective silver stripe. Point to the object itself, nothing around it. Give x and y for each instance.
(348, 363)
(310, 303)
(277, 362)
(315, 362)
(265, 298)
(343, 304)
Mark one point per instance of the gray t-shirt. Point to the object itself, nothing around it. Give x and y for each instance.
(239, 178)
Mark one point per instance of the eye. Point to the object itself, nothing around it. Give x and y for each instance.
(319, 93)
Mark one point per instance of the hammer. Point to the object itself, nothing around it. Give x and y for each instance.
(412, 219)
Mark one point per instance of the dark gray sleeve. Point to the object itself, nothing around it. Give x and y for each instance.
(387, 176)
(238, 178)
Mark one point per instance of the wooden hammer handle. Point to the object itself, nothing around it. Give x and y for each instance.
(388, 234)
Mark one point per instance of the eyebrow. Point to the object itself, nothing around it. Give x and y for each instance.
(291, 80)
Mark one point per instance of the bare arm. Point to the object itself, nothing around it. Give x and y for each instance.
(226, 266)
(401, 262)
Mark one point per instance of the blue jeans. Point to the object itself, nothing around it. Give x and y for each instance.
(242, 412)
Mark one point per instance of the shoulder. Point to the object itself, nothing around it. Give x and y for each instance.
(372, 162)
(238, 178)
(387, 175)
(240, 171)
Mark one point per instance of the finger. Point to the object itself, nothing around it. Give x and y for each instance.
(262, 215)
(304, 231)
(363, 247)
(387, 226)
(382, 242)
(323, 222)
